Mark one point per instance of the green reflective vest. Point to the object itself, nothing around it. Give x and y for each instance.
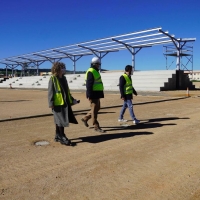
(98, 84)
(58, 97)
(128, 87)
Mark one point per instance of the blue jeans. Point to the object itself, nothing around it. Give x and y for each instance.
(127, 104)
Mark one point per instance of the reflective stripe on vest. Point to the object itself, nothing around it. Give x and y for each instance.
(58, 98)
(128, 87)
(98, 84)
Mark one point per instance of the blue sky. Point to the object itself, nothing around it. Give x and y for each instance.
(28, 26)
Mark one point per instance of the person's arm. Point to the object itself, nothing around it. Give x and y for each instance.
(134, 91)
(122, 82)
(89, 84)
(50, 93)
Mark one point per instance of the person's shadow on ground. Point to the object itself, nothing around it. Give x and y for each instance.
(137, 127)
(106, 137)
(145, 124)
(165, 119)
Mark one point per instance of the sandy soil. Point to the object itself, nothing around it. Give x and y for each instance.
(155, 160)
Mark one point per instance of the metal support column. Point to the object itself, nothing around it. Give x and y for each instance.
(98, 53)
(179, 44)
(72, 57)
(133, 59)
(132, 50)
(6, 71)
(178, 59)
(12, 70)
(8, 66)
(35, 62)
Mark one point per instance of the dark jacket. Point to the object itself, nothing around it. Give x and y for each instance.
(122, 82)
(89, 85)
(66, 109)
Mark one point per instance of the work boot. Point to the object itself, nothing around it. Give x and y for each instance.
(61, 137)
(84, 122)
(65, 141)
(99, 130)
(57, 137)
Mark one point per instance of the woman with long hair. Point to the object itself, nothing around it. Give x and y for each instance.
(60, 101)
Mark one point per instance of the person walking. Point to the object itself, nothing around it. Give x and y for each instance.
(127, 90)
(60, 101)
(94, 92)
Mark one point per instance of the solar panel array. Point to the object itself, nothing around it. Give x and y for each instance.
(98, 47)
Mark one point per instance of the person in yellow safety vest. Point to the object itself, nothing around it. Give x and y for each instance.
(127, 90)
(94, 92)
(60, 101)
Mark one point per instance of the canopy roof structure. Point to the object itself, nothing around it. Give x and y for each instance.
(133, 42)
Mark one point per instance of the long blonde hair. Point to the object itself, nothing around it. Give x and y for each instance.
(57, 66)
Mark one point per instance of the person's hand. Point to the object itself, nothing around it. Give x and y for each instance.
(51, 107)
(122, 98)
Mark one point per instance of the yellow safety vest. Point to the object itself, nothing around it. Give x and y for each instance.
(128, 87)
(98, 84)
(58, 98)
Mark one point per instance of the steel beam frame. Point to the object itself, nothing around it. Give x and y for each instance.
(72, 57)
(179, 44)
(133, 42)
(97, 53)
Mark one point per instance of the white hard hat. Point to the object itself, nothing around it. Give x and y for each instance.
(95, 60)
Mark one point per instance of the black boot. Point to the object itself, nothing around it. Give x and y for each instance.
(57, 136)
(65, 141)
(62, 137)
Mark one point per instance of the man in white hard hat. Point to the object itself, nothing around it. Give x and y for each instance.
(94, 92)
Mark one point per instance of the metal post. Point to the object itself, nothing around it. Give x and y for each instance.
(100, 61)
(6, 71)
(37, 68)
(178, 57)
(133, 59)
(74, 66)
(192, 62)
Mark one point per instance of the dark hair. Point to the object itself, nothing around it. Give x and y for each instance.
(57, 66)
(128, 68)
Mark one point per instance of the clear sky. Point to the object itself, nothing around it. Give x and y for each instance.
(28, 26)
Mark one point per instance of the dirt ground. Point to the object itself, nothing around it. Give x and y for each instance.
(157, 159)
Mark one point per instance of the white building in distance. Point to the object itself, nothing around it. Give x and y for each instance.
(193, 75)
